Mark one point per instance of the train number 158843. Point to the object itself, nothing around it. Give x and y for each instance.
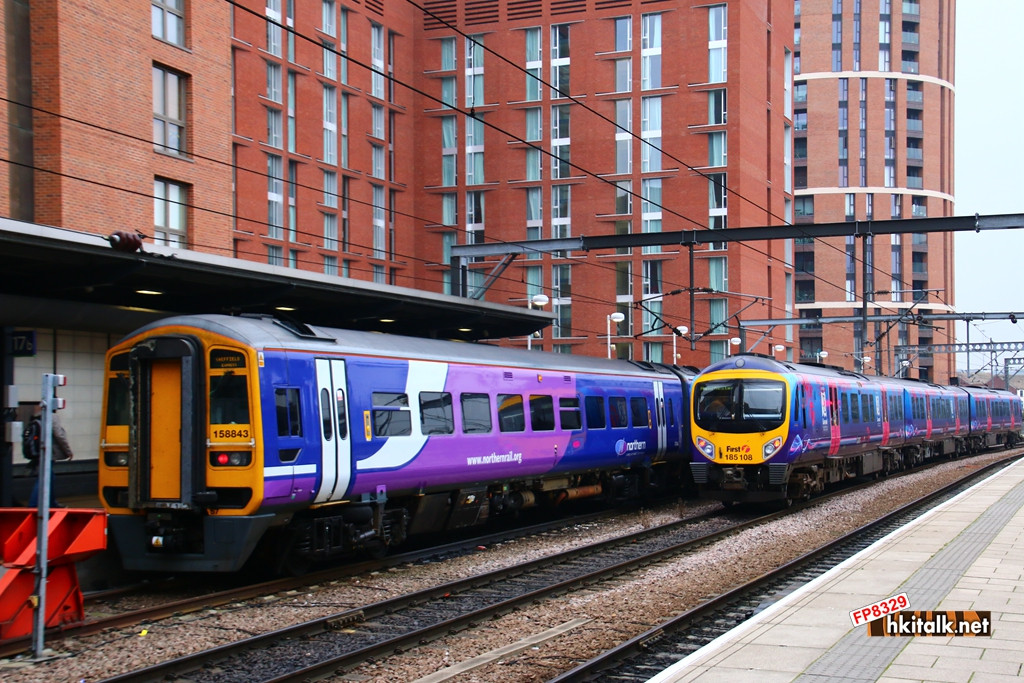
(230, 433)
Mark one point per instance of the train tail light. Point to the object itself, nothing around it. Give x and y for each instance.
(230, 458)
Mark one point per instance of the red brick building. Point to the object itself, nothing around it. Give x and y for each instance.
(363, 139)
(874, 141)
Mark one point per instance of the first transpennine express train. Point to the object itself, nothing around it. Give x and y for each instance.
(765, 430)
(230, 438)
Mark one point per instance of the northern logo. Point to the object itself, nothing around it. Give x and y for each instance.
(622, 446)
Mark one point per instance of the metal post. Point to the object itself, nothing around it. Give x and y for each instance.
(48, 405)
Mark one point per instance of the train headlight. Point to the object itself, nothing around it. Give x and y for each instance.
(230, 458)
(772, 447)
(706, 447)
(115, 459)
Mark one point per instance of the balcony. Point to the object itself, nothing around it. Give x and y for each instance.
(911, 7)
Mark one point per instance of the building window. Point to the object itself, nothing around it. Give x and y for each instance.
(623, 136)
(717, 43)
(717, 106)
(330, 126)
(533, 64)
(650, 52)
(650, 133)
(560, 143)
(275, 197)
(275, 128)
(447, 54)
(327, 18)
(559, 61)
(717, 154)
(377, 61)
(275, 255)
(474, 70)
(623, 34)
(168, 110)
(274, 29)
(170, 220)
(168, 18)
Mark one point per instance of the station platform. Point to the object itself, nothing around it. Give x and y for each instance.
(965, 555)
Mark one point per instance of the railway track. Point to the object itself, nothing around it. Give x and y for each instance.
(104, 610)
(346, 639)
(651, 652)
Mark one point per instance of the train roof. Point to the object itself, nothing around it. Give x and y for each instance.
(267, 332)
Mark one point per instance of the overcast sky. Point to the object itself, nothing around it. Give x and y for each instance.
(989, 149)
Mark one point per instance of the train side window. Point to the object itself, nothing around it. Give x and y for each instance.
(854, 408)
(594, 405)
(671, 414)
(542, 413)
(391, 414)
(325, 414)
(867, 407)
(436, 413)
(342, 414)
(569, 413)
(511, 417)
(617, 409)
(639, 412)
(846, 408)
(286, 402)
(476, 413)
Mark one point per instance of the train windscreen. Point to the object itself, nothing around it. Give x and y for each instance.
(739, 406)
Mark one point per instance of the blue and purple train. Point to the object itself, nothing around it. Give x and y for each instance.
(229, 438)
(764, 430)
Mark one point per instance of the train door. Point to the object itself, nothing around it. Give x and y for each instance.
(661, 422)
(165, 457)
(834, 424)
(332, 400)
(885, 418)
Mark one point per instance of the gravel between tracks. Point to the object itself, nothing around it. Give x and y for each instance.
(617, 612)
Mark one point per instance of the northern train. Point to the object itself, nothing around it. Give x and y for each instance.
(766, 430)
(235, 437)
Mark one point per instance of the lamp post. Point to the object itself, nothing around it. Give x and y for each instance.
(617, 318)
(677, 332)
(540, 301)
(819, 355)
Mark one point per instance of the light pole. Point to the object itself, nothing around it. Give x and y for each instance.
(819, 355)
(540, 301)
(617, 318)
(677, 332)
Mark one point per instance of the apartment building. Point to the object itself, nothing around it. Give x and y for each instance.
(873, 121)
(363, 139)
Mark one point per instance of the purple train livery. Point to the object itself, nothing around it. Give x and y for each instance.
(232, 439)
(765, 430)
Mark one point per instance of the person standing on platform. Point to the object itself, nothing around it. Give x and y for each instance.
(32, 449)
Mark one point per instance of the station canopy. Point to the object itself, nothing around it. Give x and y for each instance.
(60, 278)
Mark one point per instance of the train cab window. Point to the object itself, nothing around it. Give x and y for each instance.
(542, 413)
(638, 411)
(476, 413)
(391, 414)
(594, 405)
(569, 413)
(436, 413)
(229, 387)
(618, 413)
(118, 406)
(511, 417)
(286, 402)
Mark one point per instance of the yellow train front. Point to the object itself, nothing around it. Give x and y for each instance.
(739, 425)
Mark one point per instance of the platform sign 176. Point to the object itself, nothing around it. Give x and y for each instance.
(23, 343)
